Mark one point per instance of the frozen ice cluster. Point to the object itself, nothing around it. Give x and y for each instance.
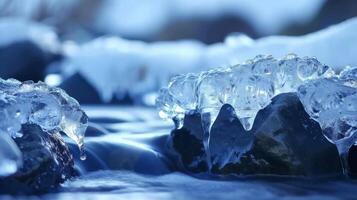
(36, 103)
(333, 103)
(328, 97)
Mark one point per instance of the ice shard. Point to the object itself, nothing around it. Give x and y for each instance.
(36, 103)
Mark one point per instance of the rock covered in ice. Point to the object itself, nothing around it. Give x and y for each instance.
(47, 162)
(10, 156)
(36, 103)
(284, 140)
(333, 103)
(329, 98)
(18, 30)
(248, 87)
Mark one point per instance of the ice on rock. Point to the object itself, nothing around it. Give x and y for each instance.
(334, 106)
(248, 87)
(36, 103)
(10, 155)
(349, 76)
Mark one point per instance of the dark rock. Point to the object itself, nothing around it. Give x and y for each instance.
(24, 60)
(283, 141)
(352, 161)
(79, 88)
(187, 145)
(47, 162)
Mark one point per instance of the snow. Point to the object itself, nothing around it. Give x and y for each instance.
(17, 30)
(115, 66)
(272, 17)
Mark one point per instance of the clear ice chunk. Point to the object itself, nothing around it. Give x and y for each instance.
(36, 103)
(329, 98)
(334, 106)
(248, 87)
(349, 76)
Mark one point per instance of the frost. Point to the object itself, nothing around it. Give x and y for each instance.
(36, 103)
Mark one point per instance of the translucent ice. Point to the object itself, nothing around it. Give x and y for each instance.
(334, 105)
(36, 103)
(248, 87)
(10, 155)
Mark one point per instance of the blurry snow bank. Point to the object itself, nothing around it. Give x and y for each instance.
(144, 18)
(16, 30)
(130, 17)
(335, 46)
(116, 66)
(49, 10)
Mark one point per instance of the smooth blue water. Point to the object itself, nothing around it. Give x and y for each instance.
(125, 162)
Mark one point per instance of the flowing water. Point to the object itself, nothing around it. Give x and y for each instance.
(125, 160)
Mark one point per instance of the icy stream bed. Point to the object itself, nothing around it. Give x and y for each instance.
(135, 128)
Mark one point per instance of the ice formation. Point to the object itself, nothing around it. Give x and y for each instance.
(36, 103)
(10, 156)
(329, 98)
(333, 103)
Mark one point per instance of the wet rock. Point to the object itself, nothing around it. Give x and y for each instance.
(24, 60)
(47, 162)
(186, 145)
(283, 141)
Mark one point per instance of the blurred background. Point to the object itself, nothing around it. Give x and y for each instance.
(123, 51)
